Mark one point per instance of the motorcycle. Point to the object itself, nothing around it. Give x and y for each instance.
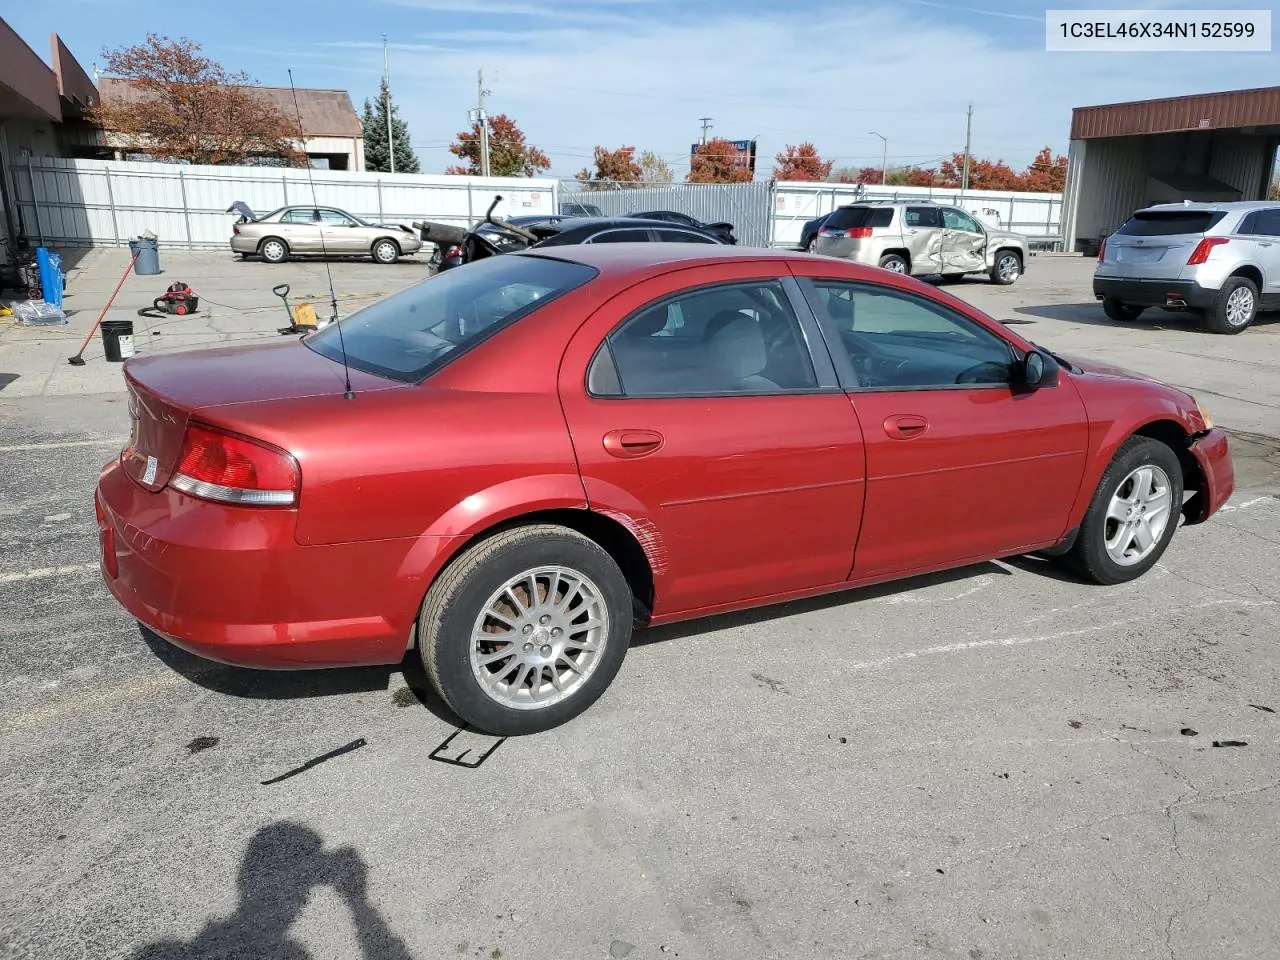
(455, 246)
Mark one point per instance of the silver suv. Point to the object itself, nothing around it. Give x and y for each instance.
(1219, 260)
(921, 238)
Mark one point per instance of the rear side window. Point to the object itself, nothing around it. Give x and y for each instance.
(411, 334)
(1261, 223)
(1168, 223)
(621, 236)
(846, 217)
(923, 217)
(682, 236)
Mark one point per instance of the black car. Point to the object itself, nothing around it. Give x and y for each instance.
(616, 230)
(809, 233)
(721, 229)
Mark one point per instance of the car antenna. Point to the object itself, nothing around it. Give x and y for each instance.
(348, 393)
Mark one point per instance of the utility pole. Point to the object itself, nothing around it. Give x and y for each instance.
(884, 158)
(386, 103)
(968, 135)
(483, 120)
(706, 125)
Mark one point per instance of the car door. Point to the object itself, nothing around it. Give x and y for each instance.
(341, 233)
(964, 242)
(922, 233)
(1262, 227)
(962, 464)
(301, 229)
(706, 414)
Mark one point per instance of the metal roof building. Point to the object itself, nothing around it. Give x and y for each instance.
(1124, 156)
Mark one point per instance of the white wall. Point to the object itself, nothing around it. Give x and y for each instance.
(97, 202)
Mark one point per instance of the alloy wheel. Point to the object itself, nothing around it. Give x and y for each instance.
(1138, 514)
(1240, 306)
(539, 638)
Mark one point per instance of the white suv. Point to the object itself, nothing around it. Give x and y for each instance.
(1219, 260)
(921, 238)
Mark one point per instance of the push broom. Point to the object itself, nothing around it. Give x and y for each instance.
(78, 359)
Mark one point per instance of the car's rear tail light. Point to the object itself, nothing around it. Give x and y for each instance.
(236, 229)
(858, 233)
(1102, 250)
(1201, 253)
(230, 469)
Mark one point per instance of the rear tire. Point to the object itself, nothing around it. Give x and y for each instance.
(895, 263)
(274, 250)
(1141, 486)
(1235, 307)
(1121, 312)
(489, 683)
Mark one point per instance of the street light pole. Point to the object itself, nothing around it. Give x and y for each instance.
(884, 158)
(386, 103)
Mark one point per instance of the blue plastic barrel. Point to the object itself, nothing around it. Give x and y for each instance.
(51, 279)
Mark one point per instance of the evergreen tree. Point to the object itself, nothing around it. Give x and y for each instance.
(376, 157)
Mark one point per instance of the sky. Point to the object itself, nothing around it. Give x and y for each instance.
(577, 73)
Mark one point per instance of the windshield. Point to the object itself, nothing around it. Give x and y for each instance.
(411, 334)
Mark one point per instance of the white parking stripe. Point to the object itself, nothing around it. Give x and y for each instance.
(62, 445)
(40, 572)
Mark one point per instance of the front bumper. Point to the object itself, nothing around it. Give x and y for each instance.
(1212, 452)
(1154, 293)
(232, 584)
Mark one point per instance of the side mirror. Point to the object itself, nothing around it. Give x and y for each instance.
(1038, 370)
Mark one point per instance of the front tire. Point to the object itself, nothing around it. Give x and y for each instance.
(526, 630)
(386, 251)
(1235, 306)
(1006, 269)
(1132, 516)
(895, 263)
(1121, 312)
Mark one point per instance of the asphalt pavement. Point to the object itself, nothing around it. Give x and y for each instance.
(997, 762)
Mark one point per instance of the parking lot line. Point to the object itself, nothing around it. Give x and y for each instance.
(60, 445)
(40, 572)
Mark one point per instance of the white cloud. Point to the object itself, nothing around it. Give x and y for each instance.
(576, 74)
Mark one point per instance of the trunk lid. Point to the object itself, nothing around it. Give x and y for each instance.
(165, 391)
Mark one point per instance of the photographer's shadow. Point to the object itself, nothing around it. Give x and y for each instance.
(282, 865)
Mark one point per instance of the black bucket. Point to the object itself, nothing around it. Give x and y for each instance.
(117, 340)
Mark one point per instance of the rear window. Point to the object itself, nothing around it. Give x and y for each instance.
(1162, 223)
(846, 217)
(411, 334)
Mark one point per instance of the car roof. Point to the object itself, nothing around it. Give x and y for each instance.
(1226, 205)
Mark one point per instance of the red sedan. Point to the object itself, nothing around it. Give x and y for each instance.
(520, 460)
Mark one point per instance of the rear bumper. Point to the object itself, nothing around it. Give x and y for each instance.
(244, 245)
(232, 584)
(1213, 454)
(1153, 293)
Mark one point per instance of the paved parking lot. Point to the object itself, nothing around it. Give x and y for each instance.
(998, 762)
